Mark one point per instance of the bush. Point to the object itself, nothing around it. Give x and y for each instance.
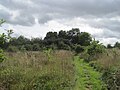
(109, 46)
(2, 57)
(90, 52)
(85, 56)
(62, 45)
(12, 49)
(111, 77)
(95, 48)
(28, 47)
(22, 48)
(36, 47)
(79, 49)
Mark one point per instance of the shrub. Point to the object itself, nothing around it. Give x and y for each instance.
(2, 57)
(109, 46)
(85, 56)
(12, 49)
(22, 48)
(90, 52)
(62, 45)
(52, 46)
(29, 47)
(117, 45)
(79, 49)
(36, 47)
(111, 77)
(95, 48)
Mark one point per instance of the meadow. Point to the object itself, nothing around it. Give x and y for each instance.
(48, 70)
(37, 71)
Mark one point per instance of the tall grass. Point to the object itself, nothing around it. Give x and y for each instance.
(111, 58)
(37, 71)
(109, 64)
(59, 70)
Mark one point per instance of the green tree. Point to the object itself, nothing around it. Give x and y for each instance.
(2, 41)
(51, 35)
(109, 46)
(29, 47)
(36, 47)
(51, 38)
(117, 45)
(72, 35)
(62, 34)
(5, 39)
(21, 40)
(79, 49)
(95, 48)
(37, 40)
(2, 56)
(84, 39)
(73, 32)
(63, 46)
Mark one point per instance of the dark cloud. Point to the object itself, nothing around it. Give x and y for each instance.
(44, 19)
(24, 20)
(15, 4)
(65, 8)
(94, 8)
(46, 10)
(5, 14)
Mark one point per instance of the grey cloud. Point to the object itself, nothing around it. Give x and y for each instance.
(24, 20)
(108, 34)
(65, 8)
(5, 14)
(14, 4)
(82, 7)
(46, 10)
(105, 23)
(44, 19)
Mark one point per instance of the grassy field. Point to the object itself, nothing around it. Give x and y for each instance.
(37, 71)
(56, 70)
(109, 59)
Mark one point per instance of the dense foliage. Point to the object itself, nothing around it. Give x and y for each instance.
(2, 40)
(2, 57)
(66, 40)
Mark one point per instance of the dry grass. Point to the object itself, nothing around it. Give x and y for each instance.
(25, 67)
(109, 59)
(109, 64)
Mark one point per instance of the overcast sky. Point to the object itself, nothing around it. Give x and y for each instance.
(34, 18)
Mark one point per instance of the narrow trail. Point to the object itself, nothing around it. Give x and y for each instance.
(86, 77)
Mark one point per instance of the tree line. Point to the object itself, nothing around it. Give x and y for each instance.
(66, 40)
(73, 40)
